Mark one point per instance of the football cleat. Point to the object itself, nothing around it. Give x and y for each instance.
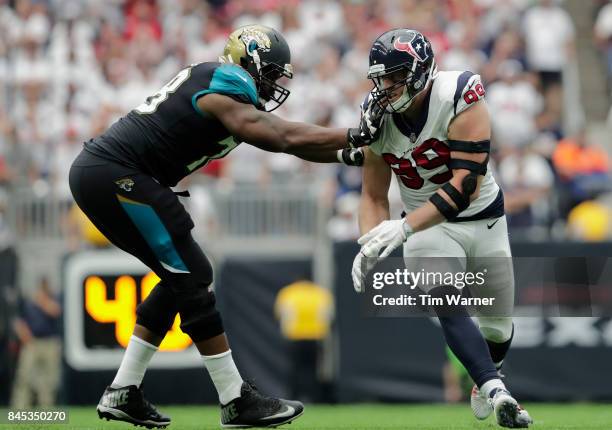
(252, 409)
(480, 404)
(523, 416)
(508, 412)
(129, 404)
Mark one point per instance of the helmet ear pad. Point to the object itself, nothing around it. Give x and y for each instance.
(248, 64)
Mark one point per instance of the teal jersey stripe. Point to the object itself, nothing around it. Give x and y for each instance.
(155, 234)
(229, 79)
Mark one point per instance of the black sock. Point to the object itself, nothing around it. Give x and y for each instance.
(498, 351)
(464, 339)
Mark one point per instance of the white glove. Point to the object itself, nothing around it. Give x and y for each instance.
(388, 235)
(359, 272)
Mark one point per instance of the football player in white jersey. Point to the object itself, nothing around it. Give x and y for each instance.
(433, 132)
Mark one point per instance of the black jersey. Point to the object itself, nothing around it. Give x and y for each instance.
(167, 136)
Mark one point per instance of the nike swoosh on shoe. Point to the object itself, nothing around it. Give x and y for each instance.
(284, 414)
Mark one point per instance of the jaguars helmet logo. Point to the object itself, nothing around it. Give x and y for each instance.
(255, 39)
(248, 39)
(125, 184)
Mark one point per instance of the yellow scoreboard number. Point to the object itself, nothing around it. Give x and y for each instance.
(121, 311)
(101, 292)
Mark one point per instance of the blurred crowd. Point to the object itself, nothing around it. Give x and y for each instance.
(68, 68)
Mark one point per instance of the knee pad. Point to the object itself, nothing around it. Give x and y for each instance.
(496, 329)
(196, 305)
(158, 310)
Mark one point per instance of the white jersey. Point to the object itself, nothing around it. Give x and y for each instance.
(418, 153)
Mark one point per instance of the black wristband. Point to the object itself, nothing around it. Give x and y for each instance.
(351, 157)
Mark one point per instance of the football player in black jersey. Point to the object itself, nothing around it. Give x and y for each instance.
(122, 181)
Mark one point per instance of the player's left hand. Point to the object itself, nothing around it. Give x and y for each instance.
(370, 124)
(372, 115)
(385, 237)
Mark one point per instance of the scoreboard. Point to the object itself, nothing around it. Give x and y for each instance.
(101, 292)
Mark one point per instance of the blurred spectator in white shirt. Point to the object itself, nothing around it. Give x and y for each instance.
(314, 96)
(464, 53)
(549, 37)
(527, 178)
(514, 104)
(603, 37)
(323, 18)
(344, 225)
(507, 46)
(256, 12)
(209, 46)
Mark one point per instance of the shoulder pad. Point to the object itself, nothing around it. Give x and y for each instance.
(469, 90)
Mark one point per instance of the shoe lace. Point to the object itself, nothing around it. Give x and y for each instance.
(145, 403)
(273, 402)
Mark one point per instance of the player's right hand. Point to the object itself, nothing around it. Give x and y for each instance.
(382, 239)
(372, 115)
(363, 263)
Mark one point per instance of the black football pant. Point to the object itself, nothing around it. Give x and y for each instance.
(146, 219)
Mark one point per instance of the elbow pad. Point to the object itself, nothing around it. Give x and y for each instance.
(461, 200)
(482, 146)
(469, 183)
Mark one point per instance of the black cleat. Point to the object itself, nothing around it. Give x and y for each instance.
(128, 404)
(252, 409)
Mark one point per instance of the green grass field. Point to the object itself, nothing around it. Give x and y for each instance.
(366, 416)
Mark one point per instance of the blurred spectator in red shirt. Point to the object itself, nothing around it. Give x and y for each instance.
(141, 17)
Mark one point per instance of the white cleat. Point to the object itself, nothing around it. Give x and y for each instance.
(508, 412)
(481, 406)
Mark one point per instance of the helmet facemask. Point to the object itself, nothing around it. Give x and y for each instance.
(270, 92)
(412, 81)
(265, 75)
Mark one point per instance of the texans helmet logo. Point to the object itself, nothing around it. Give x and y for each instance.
(417, 47)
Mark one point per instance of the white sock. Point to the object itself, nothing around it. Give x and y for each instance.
(134, 363)
(224, 374)
(491, 385)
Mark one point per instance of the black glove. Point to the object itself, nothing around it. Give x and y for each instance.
(351, 157)
(372, 115)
